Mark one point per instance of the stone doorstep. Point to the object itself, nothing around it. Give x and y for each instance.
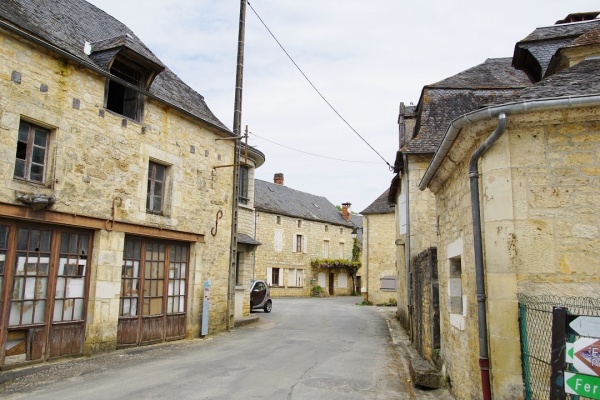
(242, 321)
(424, 374)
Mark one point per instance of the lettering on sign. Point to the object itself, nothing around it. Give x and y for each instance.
(583, 385)
(584, 354)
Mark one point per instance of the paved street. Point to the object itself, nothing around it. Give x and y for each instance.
(307, 348)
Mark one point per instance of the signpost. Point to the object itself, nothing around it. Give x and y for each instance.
(583, 385)
(584, 354)
(585, 326)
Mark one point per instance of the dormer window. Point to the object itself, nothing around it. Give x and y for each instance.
(123, 100)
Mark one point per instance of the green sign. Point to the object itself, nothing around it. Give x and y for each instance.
(583, 385)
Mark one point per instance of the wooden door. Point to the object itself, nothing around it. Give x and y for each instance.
(331, 279)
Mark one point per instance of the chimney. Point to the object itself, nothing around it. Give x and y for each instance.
(346, 211)
(278, 178)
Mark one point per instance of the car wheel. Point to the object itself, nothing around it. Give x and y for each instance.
(268, 306)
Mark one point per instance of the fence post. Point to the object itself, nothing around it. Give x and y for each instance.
(557, 356)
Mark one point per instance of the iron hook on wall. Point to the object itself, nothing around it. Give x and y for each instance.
(214, 230)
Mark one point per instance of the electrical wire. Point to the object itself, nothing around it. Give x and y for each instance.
(315, 88)
(312, 154)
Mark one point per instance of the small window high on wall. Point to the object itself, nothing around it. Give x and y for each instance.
(31, 155)
(121, 99)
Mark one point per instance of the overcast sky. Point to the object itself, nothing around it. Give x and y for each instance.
(364, 57)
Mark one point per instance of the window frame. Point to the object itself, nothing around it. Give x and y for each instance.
(30, 147)
(151, 192)
(116, 99)
(244, 182)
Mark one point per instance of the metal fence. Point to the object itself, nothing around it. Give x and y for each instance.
(535, 323)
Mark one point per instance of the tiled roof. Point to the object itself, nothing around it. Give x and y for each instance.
(560, 31)
(492, 82)
(279, 199)
(68, 24)
(579, 80)
(380, 206)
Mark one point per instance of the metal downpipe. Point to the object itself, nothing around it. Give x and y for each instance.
(484, 362)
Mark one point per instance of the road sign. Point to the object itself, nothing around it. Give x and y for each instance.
(584, 354)
(585, 326)
(583, 385)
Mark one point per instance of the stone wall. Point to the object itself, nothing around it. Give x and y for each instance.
(539, 197)
(278, 249)
(378, 256)
(96, 156)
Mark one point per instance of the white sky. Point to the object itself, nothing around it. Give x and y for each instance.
(365, 57)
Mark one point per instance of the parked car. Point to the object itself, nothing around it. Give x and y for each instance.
(260, 297)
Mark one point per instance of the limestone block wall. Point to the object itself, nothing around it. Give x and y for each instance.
(380, 257)
(277, 235)
(96, 156)
(539, 193)
(422, 221)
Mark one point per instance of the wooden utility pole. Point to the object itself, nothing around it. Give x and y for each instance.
(237, 122)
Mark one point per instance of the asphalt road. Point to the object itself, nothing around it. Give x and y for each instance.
(306, 348)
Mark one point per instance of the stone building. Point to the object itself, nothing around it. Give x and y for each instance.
(294, 228)
(109, 190)
(246, 229)
(378, 271)
(516, 186)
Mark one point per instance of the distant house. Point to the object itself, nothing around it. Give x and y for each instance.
(378, 272)
(294, 228)
(109, 191)
(514, 183)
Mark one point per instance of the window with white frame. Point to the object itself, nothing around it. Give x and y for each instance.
(295, 277)
(274, 276)
(455, 286)
(326, 249)
(299, 244)
(341, 250)
(342, 281)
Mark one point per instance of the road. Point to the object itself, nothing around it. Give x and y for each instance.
(306, 348)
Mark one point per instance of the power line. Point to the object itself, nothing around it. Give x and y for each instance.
(315, 88)
(312, 154)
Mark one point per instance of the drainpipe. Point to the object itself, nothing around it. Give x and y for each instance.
(484, 362)
(407, 247)
(367, 257)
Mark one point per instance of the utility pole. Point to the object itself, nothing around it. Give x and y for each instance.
(237, 122)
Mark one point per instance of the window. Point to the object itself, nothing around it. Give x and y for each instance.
(278, 240)
(274, 277)
(326, 228)
(156, 187)
(243, 185)
(32, 146)
(341, 231)
(326, 249)
(123, 100)
(455, 286)
(388, 283)
(295, 277)
(278, 220)
(299, 243)
(341, 250)
(70, 281)
(299, 223)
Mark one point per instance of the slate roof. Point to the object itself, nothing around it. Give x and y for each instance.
(544, 42)
(247, 239)
(68, 24)
(579, 80)
(381, 205)
(491, 82)
(279, 199)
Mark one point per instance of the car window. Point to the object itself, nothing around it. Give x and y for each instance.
(260, 286)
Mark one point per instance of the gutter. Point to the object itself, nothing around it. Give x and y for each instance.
(106, 74)
(547, 104)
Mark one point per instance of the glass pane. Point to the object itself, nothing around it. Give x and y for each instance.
(20, 168)
(22, 237)
(58, 307)
(37, 173)
(2, 257)
(41, 289)
(60, 288)
(40, 306)
(23, 131)
(182, 287)
(160, 174)
(45, 242)
(156, 306)
(15, 313)
(29, 288)
(134, 307)
(38, 155)
(137, 250)
(169, 305)
(68, 309)
(78, 312)
(41, 137)
(157, 206)
(18, 288)
(34, 240)
(27, 317)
